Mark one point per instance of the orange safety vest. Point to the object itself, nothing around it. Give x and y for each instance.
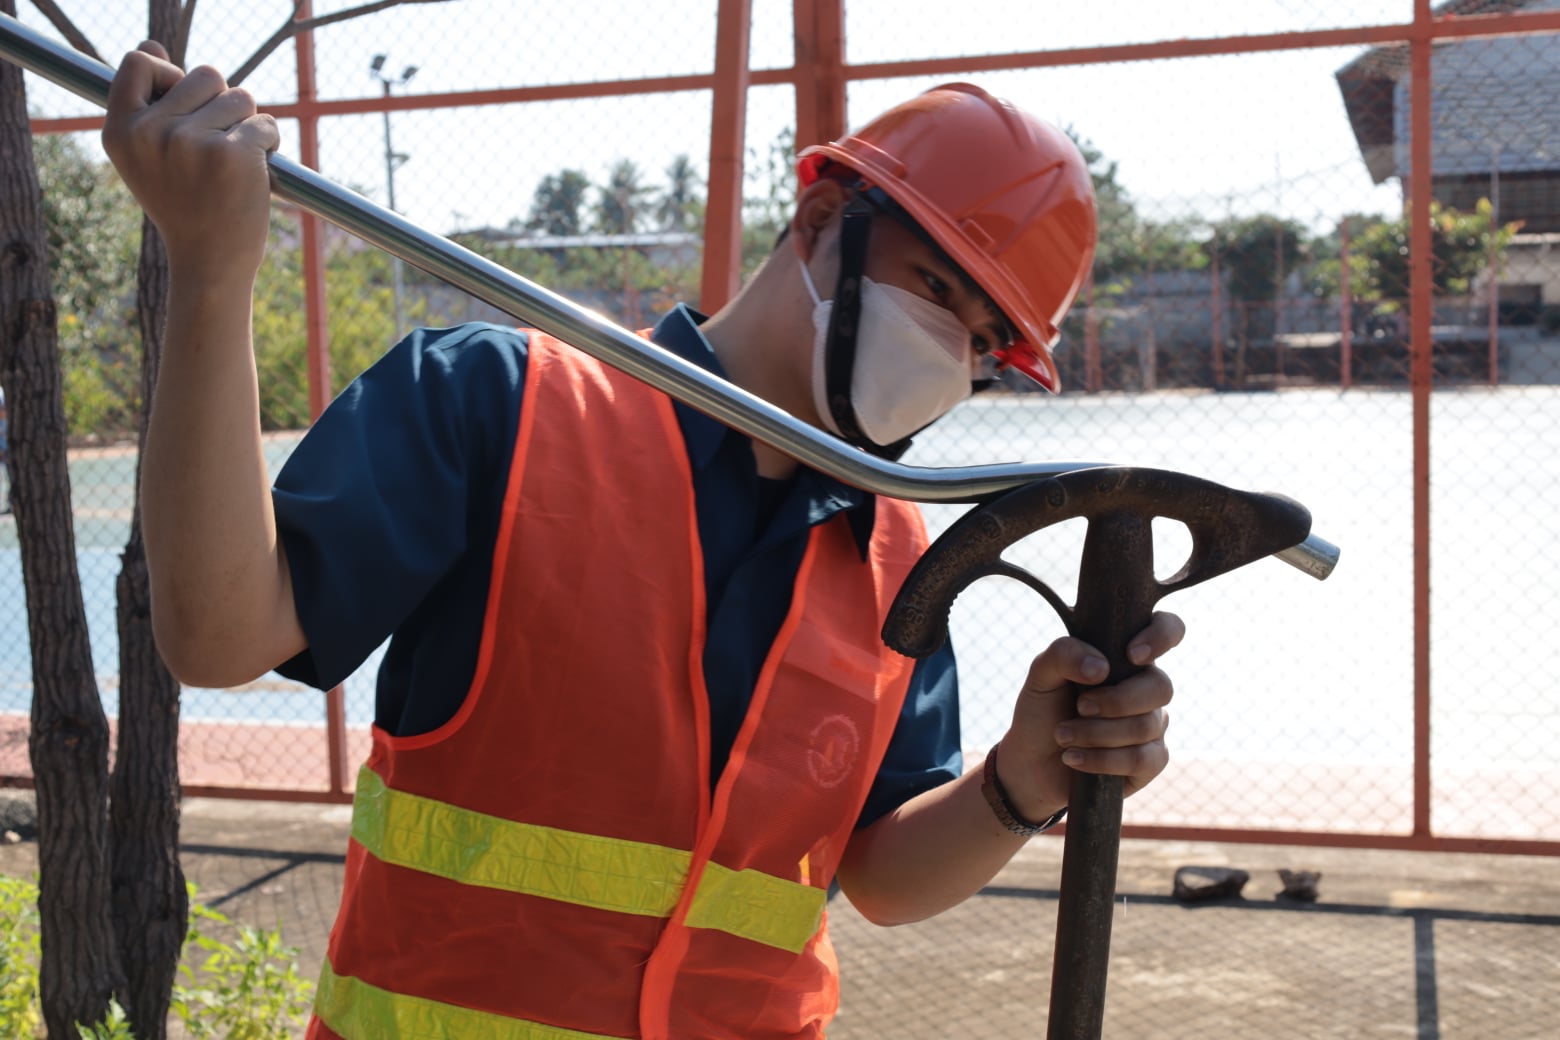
(551, 864)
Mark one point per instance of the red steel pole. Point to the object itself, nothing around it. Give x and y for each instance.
(1494, 315)
(1421, 375)
(1218, 319)
(316, 323)
(728, 129)
(1346, 305)
(315, 317)
(820, 71)
(1093, 370)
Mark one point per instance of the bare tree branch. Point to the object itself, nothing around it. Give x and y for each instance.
(67, 28)
(180, 45)
(292, 27)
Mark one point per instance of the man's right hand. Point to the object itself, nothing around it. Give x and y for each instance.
(193, 152)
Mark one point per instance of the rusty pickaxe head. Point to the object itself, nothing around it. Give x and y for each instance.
(1117, 589)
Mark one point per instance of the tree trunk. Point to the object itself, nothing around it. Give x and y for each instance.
(151, 902)
(68, 742)
(150, 898)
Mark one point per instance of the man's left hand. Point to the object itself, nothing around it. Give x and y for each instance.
(1115, 730)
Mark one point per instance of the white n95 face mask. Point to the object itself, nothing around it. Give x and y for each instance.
(912, 361)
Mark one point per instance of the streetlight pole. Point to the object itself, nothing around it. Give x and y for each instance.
(393, 160)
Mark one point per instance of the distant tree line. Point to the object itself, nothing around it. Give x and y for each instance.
(92, 221)
(562, 206)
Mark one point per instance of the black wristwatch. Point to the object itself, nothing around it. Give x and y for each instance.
(997, 798)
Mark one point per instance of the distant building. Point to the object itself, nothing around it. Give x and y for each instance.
(665, 250)
(1495, 134)
(661, 248)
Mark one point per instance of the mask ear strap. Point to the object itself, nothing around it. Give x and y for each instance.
(839, 351)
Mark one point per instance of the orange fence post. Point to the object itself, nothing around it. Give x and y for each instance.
(1346, 308)
(1494, 315)
(1420, 377)
(317, 325)
(728, 129)
(820, 71)
(1218, 319)
(1093, 371)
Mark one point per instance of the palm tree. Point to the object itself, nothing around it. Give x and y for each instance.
(677, 201)
(621, 203)
(555, 208)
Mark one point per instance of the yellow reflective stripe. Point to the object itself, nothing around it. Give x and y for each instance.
(354, 1009)
(757, 906)
(629, 877)
(476, 849)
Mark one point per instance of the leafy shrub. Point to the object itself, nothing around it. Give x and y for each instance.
(247, 989)
(19, 950)
(235, 982)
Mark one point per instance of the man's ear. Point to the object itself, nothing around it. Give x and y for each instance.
(817, 207)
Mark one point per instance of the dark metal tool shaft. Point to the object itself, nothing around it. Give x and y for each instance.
(1117, 593)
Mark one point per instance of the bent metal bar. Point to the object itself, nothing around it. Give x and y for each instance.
(527, 301)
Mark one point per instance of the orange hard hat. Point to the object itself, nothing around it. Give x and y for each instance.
(1007, 197)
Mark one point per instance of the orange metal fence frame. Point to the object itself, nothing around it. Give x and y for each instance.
(819, 75)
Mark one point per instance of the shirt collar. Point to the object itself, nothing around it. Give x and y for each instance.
(679, 333)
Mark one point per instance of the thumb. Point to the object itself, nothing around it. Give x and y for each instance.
(1064, 662)
(1049, 694)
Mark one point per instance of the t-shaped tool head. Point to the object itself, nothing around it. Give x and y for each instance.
(1117, 589)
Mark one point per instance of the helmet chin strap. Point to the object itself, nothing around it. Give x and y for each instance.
(839, 349)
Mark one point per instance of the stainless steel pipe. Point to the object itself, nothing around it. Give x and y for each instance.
(592, 333)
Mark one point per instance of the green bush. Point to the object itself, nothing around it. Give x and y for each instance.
(247, 989)
(235, 981)
(115, 1027)
(19, 950)
(102, 394)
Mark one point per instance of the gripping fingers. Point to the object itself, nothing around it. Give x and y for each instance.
(192, 92)
(1138, 764)
(1064, 662)
(142, 78)
(1134, 731)
(1163, 634)
(1135, 695)
(259, 131)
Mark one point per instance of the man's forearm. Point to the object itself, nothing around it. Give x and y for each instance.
(927, 856)
(221, 598)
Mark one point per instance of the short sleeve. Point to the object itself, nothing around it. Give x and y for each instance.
(378, 501)
(925, 750)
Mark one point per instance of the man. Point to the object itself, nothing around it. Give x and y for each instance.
(635, 716)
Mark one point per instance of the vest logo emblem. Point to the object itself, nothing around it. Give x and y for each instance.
(832, 749)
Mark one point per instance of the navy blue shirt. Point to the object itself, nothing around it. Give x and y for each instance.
(389, 513)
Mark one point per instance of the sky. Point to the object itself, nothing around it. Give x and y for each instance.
(1192, 138)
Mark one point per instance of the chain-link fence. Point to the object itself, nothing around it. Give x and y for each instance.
(1250, 318)
(1255, 316)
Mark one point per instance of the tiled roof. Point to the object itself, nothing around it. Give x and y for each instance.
(1472, 104)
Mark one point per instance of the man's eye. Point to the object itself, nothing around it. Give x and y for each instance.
(938, 287)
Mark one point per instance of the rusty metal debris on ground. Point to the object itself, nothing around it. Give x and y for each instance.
(1299, 884)
(1197, 884)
